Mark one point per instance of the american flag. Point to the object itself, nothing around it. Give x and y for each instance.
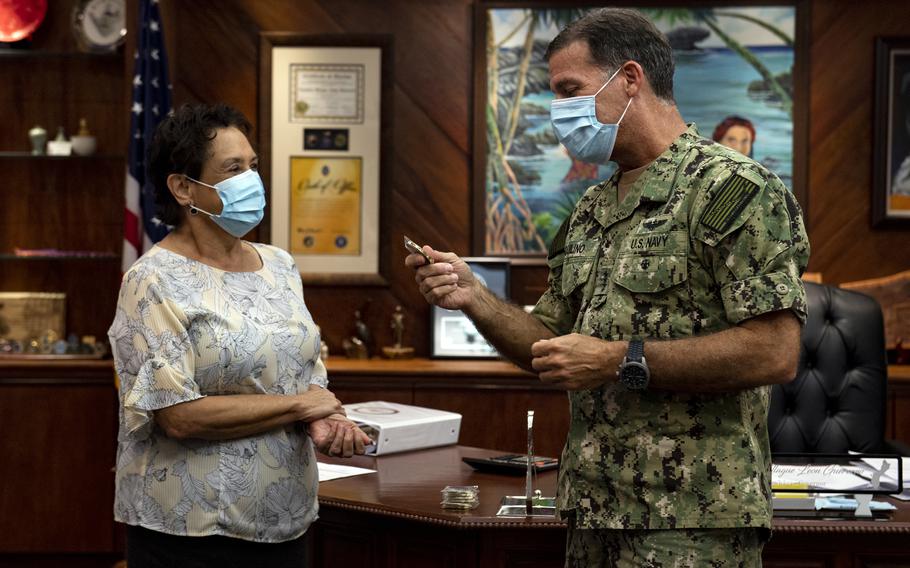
(151, 103)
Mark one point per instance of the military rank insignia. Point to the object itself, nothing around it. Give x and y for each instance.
(729, 202)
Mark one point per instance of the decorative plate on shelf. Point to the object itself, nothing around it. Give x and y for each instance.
(19, 18)
(99, 25)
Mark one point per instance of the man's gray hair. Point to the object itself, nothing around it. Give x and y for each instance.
(617, 35)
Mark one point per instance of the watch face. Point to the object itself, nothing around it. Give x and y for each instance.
(634, 376)
(100, 25)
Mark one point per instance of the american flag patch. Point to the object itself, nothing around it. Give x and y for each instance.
(729, 202)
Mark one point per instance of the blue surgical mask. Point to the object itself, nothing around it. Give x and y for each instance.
(577, 128)
(243, 202)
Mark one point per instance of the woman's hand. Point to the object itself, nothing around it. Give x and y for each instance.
(317, 403)
(335, 435)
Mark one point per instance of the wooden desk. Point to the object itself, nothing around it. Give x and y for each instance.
(393, 518)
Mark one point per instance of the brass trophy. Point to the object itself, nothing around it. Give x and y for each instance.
(397, 351)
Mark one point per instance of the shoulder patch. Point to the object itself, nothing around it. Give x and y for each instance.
(729, 202)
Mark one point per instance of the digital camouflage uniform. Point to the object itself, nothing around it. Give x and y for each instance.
(705, 239)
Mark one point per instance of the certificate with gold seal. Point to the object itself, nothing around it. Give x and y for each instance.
(326, 206)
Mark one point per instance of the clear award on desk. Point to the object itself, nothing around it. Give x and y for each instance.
(531, 504)
(813, 484)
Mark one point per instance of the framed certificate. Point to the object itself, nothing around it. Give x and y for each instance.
(326, 206)
(454, 335)
(327, 93)
(325, 145)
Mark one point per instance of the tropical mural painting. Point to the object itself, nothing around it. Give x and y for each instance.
(733, 79)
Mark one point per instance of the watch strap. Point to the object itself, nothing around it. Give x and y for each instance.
(636, 350)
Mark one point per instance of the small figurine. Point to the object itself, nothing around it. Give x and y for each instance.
(4, 326)
(83, 142)
(355, 349)
(59, 146)
(397, 351)
(323, 346)
(362, 332)
(47, 341)
(398, 325)
(38, 138)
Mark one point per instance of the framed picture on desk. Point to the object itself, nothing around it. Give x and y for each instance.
(454, 335)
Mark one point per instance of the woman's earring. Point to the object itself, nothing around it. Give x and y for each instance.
(193, 210)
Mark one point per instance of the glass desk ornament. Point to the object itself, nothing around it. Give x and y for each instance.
(531, 504)
(460, 497)
(813, 484)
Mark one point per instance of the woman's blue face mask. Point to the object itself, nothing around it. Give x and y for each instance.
(575, 122)
(243, 202)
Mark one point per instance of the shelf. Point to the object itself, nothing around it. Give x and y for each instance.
(25, 155)
(39, 54)
(55, 257)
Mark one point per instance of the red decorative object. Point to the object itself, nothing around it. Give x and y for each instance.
(19, 18)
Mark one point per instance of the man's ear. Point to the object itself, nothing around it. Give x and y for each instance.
(180, 188)
(635, 77)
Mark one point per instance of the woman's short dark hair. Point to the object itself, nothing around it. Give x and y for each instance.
(617, 35)
(181, 145)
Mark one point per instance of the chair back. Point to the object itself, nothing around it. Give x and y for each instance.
(837, 401)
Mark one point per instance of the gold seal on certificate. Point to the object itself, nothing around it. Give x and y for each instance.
(326, 206)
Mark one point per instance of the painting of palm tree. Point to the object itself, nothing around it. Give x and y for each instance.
(730, 61)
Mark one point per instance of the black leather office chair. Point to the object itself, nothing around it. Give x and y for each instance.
(837, 401)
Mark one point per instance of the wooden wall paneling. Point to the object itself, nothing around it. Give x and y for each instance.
(370, 390)
(844, 246)
(496, 416)
(67, 88)
(58, 450)
(900, 413)
(528, 281)
(65, 203)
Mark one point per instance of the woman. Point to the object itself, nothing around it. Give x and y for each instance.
(223, 394)
(736, 132)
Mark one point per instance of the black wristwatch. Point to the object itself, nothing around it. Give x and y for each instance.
(633, 372)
